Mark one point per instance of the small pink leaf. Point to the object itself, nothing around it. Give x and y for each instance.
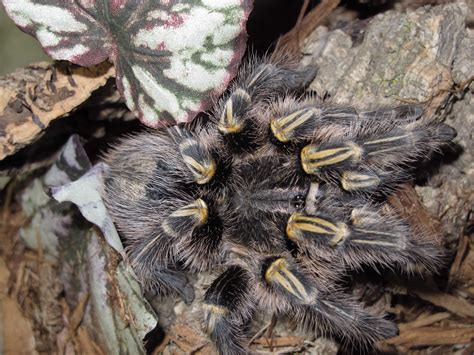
(169, 54)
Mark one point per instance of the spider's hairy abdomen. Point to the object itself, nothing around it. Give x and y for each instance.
(282, 193)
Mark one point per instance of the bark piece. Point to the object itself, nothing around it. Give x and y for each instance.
(403, 57)
(31, 98)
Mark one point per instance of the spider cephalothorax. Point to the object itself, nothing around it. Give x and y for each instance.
(283, 193)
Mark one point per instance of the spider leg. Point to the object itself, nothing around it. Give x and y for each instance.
(196, 231)
(153, 261)
(363, 235)
(164, 281)
(361, 151)
(293, 121)
(255, 85)
(195, 152)
(228, 307)
(372, 162)
(293, 291)
(339, 315)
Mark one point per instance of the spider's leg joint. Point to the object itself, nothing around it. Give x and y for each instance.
(286, 128)
(312, 228)
(314, 159)
(279, 273)
(232, 119)
(198, 160)
(191, 215)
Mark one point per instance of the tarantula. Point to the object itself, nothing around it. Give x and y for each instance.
(282, 191)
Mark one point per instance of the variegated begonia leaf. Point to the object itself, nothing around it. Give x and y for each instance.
(171, 56)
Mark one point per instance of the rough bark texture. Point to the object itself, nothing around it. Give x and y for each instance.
(395, 58)
(32, 97)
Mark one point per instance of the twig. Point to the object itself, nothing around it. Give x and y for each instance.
(259, 333)
(460, 253)
(305, 25)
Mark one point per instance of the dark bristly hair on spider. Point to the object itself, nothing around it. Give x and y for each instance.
(273, 168)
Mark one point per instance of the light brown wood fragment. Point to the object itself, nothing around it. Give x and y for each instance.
(16, 330)
(86, 343)
(428, 336)
(460, 254)
(28, 103)
(186, 338)
(424, 320)
(78, 313)
(456, 305)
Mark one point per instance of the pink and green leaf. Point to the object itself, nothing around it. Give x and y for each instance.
(171, 56)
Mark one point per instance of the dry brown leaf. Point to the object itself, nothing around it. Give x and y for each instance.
(427, 336)
(466, 270)
(78, 313)
(16, 330)
(87, 344)
(41, 93)
(456, 305)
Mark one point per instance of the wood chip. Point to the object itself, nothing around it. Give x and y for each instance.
(461, 252)
(29, 103)
(456, 305)
(292, 40)
(86, 343)
(427, 336)
(16, 331)
(78, 313)
(187, 338)
(424, 320)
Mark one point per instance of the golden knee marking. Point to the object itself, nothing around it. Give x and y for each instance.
(283, 127)
(312, 159)
(279, 273)
(216, 312)
(298, 223)
(197, 211)
(198, 160)
(203, 171)
(229, 122)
